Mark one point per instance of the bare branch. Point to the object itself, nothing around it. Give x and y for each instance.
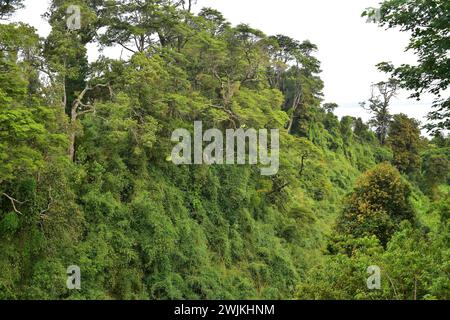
(75, 113)
(42, 213)
(126, 48)
(13, 202)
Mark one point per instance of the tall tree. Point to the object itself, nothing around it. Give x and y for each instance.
(294, 70)
(66, 56)
(138, 26)
(404, 140)
(378, 106)
(427, 23)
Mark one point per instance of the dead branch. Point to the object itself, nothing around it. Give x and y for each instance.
(75, 113)
(13, 202)
(43, 212)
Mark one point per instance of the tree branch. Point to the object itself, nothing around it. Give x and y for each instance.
(229, 112)
(42, 213)
(13, 202)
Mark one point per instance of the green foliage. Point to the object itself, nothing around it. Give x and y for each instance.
(413, 266)
(378, 204)
(427, 23)
(435, 169)
(404, 140)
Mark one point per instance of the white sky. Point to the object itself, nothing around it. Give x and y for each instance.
(349, 48)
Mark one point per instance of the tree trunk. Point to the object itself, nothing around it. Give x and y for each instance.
(72, 135)
(294, 111)
(72, 145)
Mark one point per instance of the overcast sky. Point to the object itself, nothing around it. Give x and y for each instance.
(349, 48)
